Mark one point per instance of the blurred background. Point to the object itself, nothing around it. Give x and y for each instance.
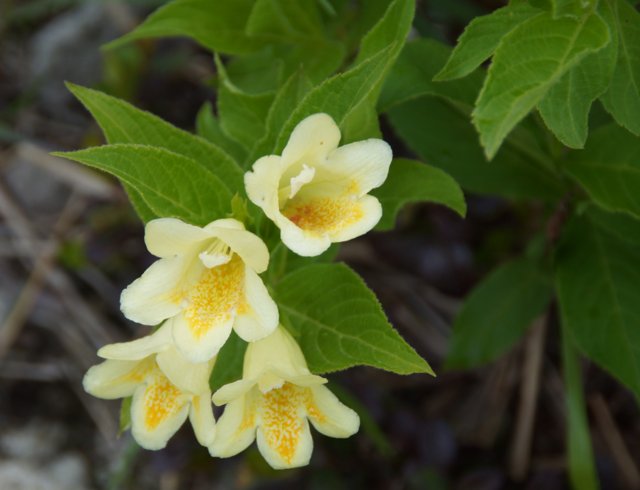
(69, 243)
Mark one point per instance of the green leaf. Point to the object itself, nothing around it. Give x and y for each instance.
(297, 24)
(286, 20)
(389, 34)
(597, 284)
(352, 22)
(498, 312)
(285, 102)
(481, 38)
(142, 209)
(622, 100)
(318, 61)
(338, 96)
(391, 30)
(228, 365)
(218, 26)
(208, 127)
(172, 185)
(350, 96)
(526, 64)
(410, 181)
(582, 470)
(345, 96)
(125, 415)
(123, 123)
(412, 77)
(566, 106)
(283, 261)
(442, 136)
(621, 225)
(609, 169)
(572, 8)
(339, 322)
(257, 72)
(242, 115)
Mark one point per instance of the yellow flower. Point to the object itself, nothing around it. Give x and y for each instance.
(206, 282)
(274, 402)
(166, 389)
(316, 193)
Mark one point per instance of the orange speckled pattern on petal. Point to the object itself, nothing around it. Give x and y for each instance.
(323, 214)
(215, 298)
(282, 417)
(161, 400)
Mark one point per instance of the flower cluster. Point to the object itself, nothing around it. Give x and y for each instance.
(206, 282)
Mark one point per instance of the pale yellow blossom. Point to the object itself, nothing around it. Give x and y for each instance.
(205, 283)
(317, 192)
(166, 389)
(274, 402)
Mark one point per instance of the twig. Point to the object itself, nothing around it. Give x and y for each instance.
(612, 437)
(482, 414)
(31, 371)
(82, 179)
(16, 318)
(82, 314)
(99, 411)
(17, 248)
(529, 389)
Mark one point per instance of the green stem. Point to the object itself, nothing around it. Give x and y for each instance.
(582, 471)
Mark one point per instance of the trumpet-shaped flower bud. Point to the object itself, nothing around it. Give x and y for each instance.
(274, 402)
(166, 389)
(206, 281)
(317, 193)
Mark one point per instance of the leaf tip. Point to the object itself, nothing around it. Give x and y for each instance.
(445, 74)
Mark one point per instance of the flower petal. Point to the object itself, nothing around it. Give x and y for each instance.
(296, 182)
(262, 184)
(202, 420)
(232, 391)
(158, 410)
(211, 305)
(213, 260)
(116, 379)
(166, 237)
(369, 213)
(188, 376)
(301, 242)
(248, 246)
(230, 223)
(320, 213)
(275, 378)
(158, 341)
(236, 429)
(312, 139)
(284, 438)
(365, 163)
(200, 343)
(307, 380)
(153, 296)
(258, 316)
(329, 415)
(277, 353)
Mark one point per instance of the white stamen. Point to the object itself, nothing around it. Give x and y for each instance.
(213, 260)
(270, 381)
(304, 177)
(217, 254)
